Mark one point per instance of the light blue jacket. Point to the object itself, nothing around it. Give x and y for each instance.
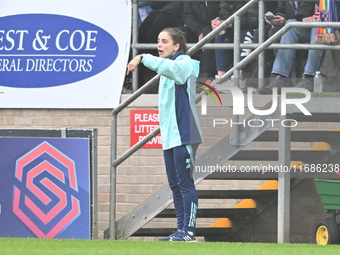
(178, 116)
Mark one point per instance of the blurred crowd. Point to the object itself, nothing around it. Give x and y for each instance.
(199, 18)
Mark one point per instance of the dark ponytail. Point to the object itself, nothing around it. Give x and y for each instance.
(178, 36)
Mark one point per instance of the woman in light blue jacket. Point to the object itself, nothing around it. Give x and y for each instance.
(180, 128)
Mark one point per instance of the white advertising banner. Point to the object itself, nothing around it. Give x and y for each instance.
(63, 53)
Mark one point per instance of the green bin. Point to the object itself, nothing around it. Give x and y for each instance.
(329, 192)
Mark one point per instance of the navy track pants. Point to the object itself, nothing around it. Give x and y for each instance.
(179, 162)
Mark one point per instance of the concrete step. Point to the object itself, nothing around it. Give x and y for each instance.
(273, 155)
(235, 194)
(234, 213)
(300, 136)
(168, 231)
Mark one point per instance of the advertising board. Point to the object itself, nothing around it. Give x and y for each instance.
(45, 187)
(63, 54)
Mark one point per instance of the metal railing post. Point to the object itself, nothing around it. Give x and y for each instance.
(283, 199)
(113, 155)
(134, 43)
(237, 51)
(261, 40)
(113, 176)
(234, 139)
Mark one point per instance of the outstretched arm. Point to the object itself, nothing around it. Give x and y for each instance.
(133, 64)
(178, 70)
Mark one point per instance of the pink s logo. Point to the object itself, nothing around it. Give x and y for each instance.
(38, 215)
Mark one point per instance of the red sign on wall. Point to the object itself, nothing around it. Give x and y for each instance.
(143, 122)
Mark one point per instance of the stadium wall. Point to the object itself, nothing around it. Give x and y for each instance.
(144, 172)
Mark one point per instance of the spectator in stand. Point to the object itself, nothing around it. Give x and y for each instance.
(249, 22)
(284, 58)
(164, 14)
(154, 16)
(282, 11)
(197, 17)
(144, 10)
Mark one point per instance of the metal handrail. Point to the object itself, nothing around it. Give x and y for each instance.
(251, 46)
(260, 48)
(277, 35)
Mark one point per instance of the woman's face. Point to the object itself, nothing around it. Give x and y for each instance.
(165, 46)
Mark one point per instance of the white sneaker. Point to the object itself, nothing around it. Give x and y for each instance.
(184, 236)
(218, 77)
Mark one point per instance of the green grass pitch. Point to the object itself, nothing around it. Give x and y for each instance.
(18, 246)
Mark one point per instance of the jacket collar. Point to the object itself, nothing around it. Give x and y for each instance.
(177, 54)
